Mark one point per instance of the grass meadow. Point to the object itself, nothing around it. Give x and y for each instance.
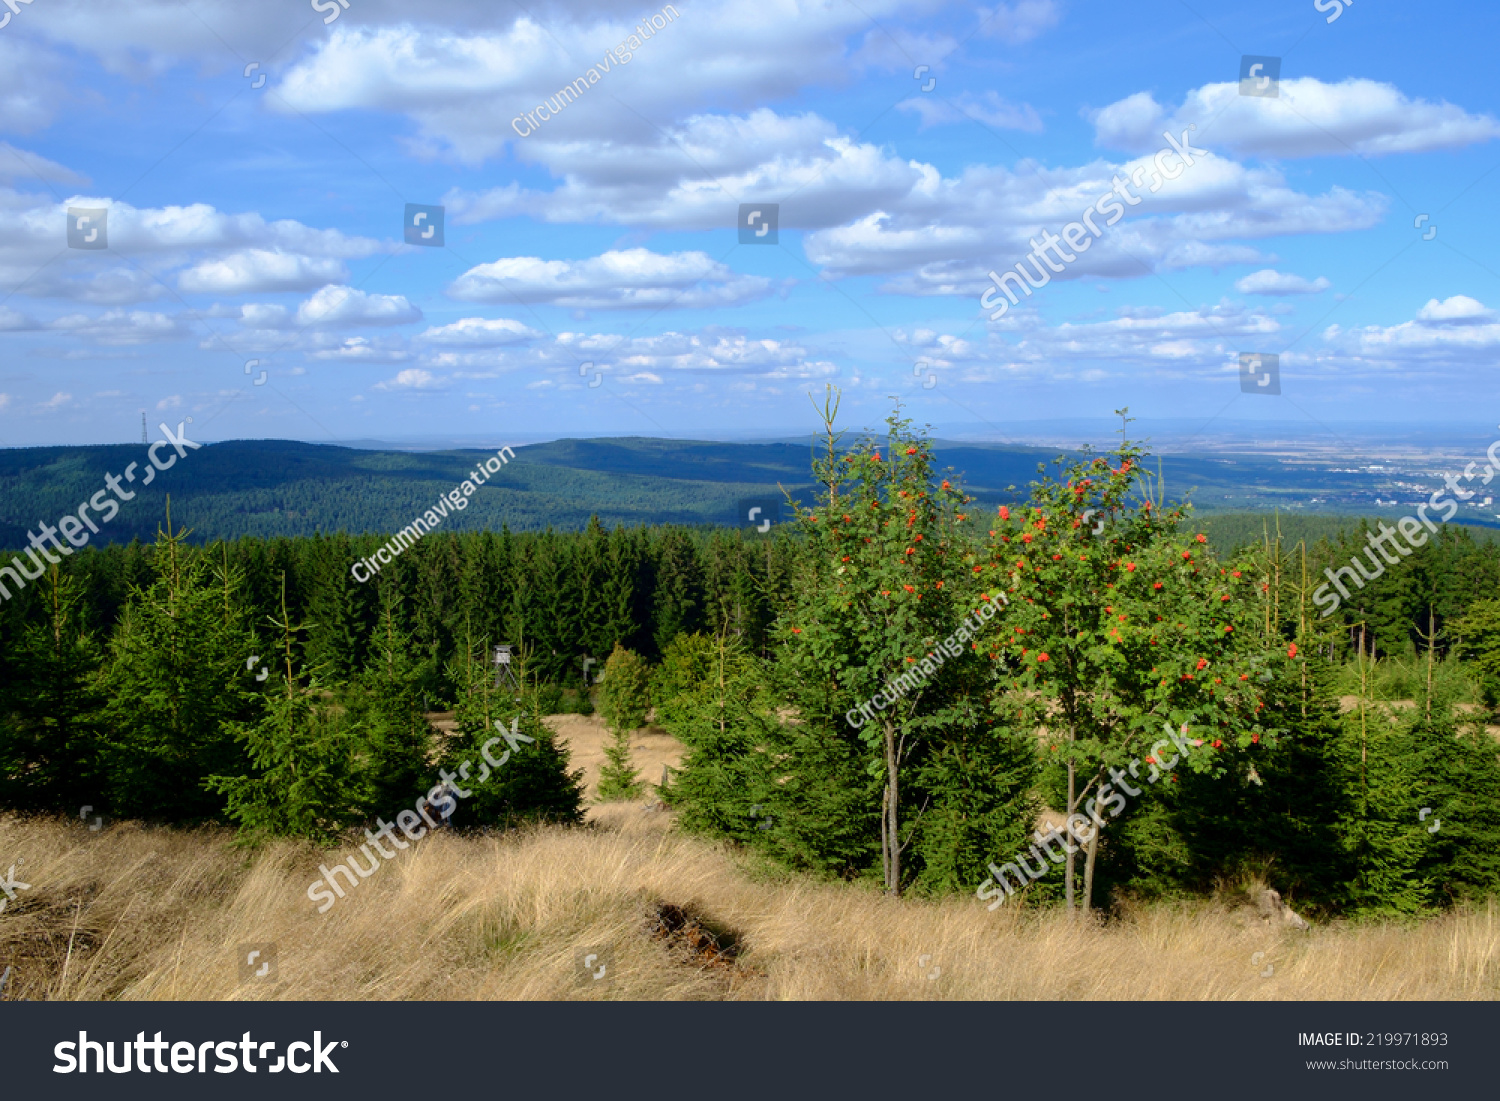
(134, 913)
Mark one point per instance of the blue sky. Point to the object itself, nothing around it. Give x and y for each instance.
(266, 223)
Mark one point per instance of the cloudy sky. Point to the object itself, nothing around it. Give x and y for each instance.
(255, 163)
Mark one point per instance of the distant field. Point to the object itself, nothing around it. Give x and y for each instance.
(1227, 530)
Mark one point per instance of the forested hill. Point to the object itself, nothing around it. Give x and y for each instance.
(272, 488)
(277, 487)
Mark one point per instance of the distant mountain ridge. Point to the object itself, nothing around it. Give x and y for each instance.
(283, 488)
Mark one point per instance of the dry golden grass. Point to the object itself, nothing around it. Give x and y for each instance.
(136, 913)
(586, 736)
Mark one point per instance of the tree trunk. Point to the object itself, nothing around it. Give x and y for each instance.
(892, 820)
(1088, 870)
(885, 836)
(1072, 850)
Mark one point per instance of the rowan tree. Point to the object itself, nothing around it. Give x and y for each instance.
(880, 597)
(1122, 626)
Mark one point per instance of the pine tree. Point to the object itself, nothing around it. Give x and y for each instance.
(507, 760)
(382, 710)
(1381, 831)
(302, 755)
(679, 589)
(50, 710)
(1478, 632)
(177, 678)
(686, 664)
(338, 604)
(709, 691)
(624, 697)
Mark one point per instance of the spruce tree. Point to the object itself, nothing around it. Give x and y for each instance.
(339, 606)
(1277, 813)
(712, 693)
(678, 602)
(303, 780)
(1382, 832)
(624, 568)
(686, 664)
(50, 709)
(177, 677)
(382, 710)
(1457, 776)
(1478, 632)
(980, 783)
(1425, 830)
(504, 756)
(624, 697)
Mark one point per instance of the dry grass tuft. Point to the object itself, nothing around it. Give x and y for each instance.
(135, 913)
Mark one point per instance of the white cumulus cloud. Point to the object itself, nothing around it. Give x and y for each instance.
(261, 271)
(341, 307)
(626, 279)
(1268, 281)
(1308, 119)
(479, 332)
